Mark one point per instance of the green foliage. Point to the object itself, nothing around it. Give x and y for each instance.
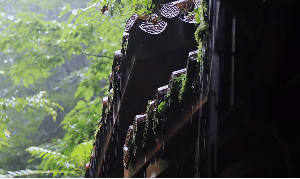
(23, 173)
(74, 164)
(155, 123)
(149, 114)
(182, 86)
(57, 57)
(161, 107)
(20, 104)
(42, 54)
(202, 26)
(175, 85)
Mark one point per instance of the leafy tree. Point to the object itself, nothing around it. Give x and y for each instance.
(57, 55)
(55, 60)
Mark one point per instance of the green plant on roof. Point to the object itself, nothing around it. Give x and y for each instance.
(155, 123)
(182, 87)
(202, 29)
(149, 113)
(145, 132)
(161, 107)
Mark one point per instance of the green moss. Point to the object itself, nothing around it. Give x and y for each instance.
(149, 114)
(183, 87)
(168, 95)
(201, 30)
(155, 119)
(177, 79)
(148, 107)
(96, 132)
(175, 85)
(168, 100)
(202, 37)
(155, 123)
(199, 59)
(145, 133)
(161, 107)
(203, 27)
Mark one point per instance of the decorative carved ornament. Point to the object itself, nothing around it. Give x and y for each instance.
(130, 22)
(169, 10)
(197, 3)
(181, 8)
(153, 28)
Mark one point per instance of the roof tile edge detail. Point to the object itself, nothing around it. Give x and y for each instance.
(150, 25)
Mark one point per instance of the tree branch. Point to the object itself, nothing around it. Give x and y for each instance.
(90, 54)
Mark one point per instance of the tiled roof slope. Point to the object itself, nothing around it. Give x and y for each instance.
(168, 111)
(126, 61)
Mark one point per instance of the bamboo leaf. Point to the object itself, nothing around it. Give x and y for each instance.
(31, 160)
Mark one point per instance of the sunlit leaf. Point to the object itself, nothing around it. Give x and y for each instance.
(31, 160)
(2, 135)
(55, 173)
